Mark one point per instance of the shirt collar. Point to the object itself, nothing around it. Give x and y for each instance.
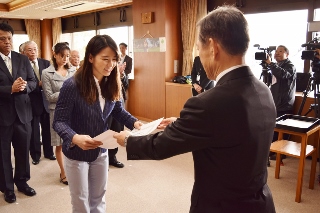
(228, 70)
(2, 55)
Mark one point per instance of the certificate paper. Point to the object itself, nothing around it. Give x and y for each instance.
(109, 142)
(146, 128)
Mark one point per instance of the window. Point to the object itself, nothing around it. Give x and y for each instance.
(78, 40)
(19, 39)
(286, 28)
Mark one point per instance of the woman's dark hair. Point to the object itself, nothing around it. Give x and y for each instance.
(59, 48)
(111, 85)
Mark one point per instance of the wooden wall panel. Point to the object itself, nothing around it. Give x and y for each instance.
(176, 97)
(173, 38)
(147, 89)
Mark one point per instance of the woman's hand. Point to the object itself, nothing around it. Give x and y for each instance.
(85, 142)
(137, 125)
(165, 122)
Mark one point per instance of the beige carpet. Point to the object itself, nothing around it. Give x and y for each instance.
(153, 186)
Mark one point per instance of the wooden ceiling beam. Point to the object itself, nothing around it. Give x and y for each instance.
(4, 8)
(17, 4)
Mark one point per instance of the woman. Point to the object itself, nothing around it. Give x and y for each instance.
(52, 80)
(85, 102)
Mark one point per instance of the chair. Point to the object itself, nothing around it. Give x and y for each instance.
(297, 150)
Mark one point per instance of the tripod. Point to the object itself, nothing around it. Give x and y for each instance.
(313, 81)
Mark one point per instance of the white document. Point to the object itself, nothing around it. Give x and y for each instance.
(146, 128)
(109, 142)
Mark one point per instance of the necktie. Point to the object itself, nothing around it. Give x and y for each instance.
(7, 61)
(36, 70)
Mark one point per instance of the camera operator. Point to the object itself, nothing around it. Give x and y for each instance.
(283, 85)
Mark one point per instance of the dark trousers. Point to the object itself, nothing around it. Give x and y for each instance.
(115, 126)
(35, 143)
(19, 134)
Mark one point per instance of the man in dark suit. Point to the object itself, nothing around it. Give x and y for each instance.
(125, 67)
(200, 81)
(16, 82)
(39, 107)
(125, 59)
(228, 128)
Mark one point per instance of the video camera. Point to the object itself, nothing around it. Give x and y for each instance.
(266, 51)
(310, 53)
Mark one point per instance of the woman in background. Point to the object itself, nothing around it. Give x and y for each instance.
(85, 102)
(52, 80)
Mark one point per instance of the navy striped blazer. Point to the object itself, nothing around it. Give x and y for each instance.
(73, 115)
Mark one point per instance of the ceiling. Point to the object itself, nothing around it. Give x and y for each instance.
(48, 9)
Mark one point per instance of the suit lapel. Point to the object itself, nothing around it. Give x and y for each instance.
(4, 68)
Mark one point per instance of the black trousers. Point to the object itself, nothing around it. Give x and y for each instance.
(115, 126)
(19, 135)
(35, 142)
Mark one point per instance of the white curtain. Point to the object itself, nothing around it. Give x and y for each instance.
(189, 9)
(56, 30)
(202, 12)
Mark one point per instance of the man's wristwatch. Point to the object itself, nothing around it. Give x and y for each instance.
(126, 139)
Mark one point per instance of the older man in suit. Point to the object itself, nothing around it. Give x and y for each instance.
(16, 82)
(228, 128)
(39, 107)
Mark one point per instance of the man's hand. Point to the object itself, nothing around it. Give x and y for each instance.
(197, 87)
(85, 142)
(121, 68)
(165, 122)
(40, 83)
(120, 137)
(268, 60)
(18, 85)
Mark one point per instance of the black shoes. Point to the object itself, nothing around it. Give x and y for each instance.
(27, 191)
(52, 157)
(9, 196)
(35, 162)
(116, 163)
(63, 180)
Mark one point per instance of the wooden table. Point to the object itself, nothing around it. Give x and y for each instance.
(297, 150)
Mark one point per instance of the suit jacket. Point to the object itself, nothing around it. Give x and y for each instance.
(16, 104)
(197, 69)
(52, 83)
(73, 115)
(128, 61)
(36, 96)
(229, 130)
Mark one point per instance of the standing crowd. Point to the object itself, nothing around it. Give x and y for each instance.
(73, 101)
